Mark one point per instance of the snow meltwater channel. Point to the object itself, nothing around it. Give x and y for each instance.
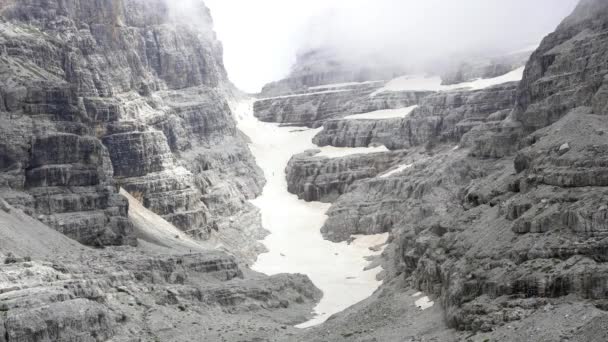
(295, 242)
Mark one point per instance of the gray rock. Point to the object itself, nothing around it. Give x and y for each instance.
(124, 93)
(496, 240)
(444, 116)
(315, 108)
(325, 179)
(567, 71)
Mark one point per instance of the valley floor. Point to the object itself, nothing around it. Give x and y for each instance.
(295, 244)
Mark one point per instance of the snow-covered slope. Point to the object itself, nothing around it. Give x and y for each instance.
(295, 244)
(383, 114)
(413, 82)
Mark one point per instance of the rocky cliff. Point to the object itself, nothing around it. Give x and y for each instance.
(325, 179)
(169, 288)
(119, 93)
(439, 117)
(507, 232)
(567, 71)
(313, 108)
(96, 96)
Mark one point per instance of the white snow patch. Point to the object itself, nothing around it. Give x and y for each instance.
(399, 169)
(307, 94)
(413, 82)
(417, 294)
(342, 85)
(383, 114)
(337, 152)
(295, 244)
(424, 303)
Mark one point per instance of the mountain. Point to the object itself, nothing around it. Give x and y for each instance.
(125, 184)
(99, 96)
(506, 231)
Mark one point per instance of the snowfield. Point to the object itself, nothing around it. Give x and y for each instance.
(295, 242)
(336, 152)
(410, 82)
(398, 170)
(383, 114)
(342, 85)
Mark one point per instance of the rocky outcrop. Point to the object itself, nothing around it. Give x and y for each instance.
(63, 301)
(313, 109)
(500, 242)
(441, 117)
(325, 179)
(566, 71)
(53, 288)
(378, 205)
(119, 93)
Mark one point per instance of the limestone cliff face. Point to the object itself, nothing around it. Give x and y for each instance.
(567, 71)
(313, 108)
(326, 179)
(439, 117)
(498, 240)
(97, 95)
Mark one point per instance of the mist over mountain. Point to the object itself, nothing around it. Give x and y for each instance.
(264, 37)
(396, 170)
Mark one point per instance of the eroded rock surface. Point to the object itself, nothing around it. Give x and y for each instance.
(312, 109)
(325, 179)
(129, 93)
(508, 230)
(439, 117)
(169, 288)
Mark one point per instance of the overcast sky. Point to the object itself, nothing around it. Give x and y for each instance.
(262, 37)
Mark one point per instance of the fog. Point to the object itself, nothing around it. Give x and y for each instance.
(261, 38)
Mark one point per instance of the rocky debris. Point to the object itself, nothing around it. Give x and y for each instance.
(76, 293)
(312, 109)
(440, 117)
(121, 93)
(568, 153)
(577, 322)
(388, 315)
(325, 179)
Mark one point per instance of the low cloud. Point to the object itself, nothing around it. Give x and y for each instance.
(262, 37)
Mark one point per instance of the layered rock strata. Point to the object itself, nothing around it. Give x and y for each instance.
(567, 71)
(170, 287)
(440, 117)
(325, 179)
(313, 109)
(499, 242)
(115, 93)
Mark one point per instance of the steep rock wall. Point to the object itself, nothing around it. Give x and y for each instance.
(140, 89)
